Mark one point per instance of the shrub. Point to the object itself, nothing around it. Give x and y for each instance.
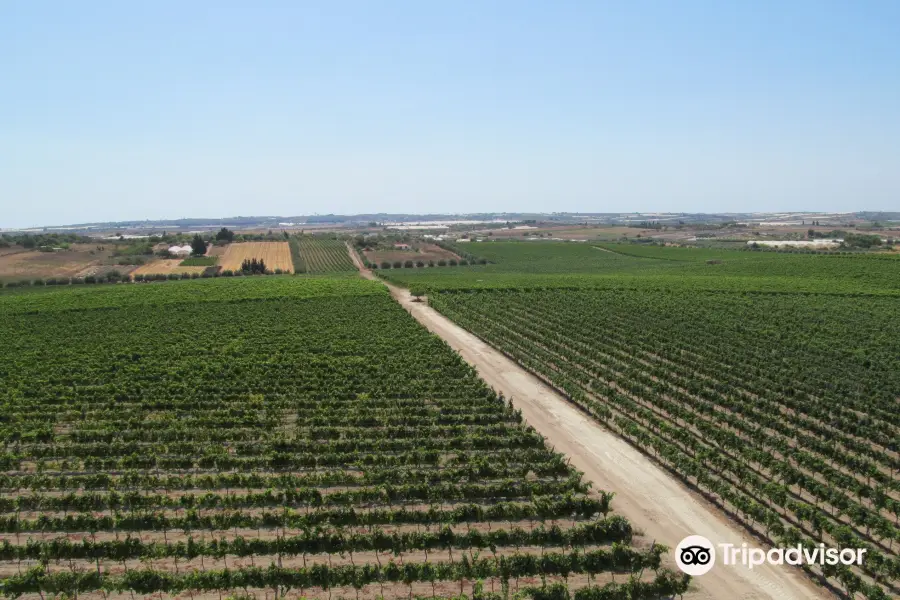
(408, 264)
(397, 264)
(173, 276)
(38, 282)
(90, 279)
(77, 281)
(430, 263)
(278, 271)
(442, 263)
(227, 273)
(385, 265)
(420, 264)
(463, 262)
(453, 262)
(483, 261)
(138, 277)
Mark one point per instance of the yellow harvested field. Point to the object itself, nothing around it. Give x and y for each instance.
(165, 266)
(276, 255)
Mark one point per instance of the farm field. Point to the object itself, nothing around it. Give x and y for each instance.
(316, 254)
(419, 252)
(776, 402)
(166, 266)
(173, 293)
(276, 255)
(593, 265)
(567, 232)
(278, 435)
(80, 260)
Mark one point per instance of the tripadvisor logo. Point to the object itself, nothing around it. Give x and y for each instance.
(696, 555)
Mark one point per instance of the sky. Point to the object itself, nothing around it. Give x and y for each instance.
(115, 110)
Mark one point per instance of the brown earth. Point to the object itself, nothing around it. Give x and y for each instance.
(374, 591)
(165, 266)
(423, 252)
(78, 261)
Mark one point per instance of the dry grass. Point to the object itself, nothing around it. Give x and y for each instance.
(165, 266)
(78, 261)
(276, 255)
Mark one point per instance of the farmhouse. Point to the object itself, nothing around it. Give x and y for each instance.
(401, 246)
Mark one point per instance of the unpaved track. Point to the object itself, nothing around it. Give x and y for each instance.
(646, 495)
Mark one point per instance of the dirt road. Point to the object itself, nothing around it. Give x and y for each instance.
(646, 495)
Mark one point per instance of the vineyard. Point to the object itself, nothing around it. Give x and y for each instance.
(615, 266)
(316, 254)
(298, 437)
(781, 408)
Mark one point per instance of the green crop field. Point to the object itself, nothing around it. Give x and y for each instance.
(231, 289)
(769, 382)
(299, 437)
(200, 261)
(581, 265)
(316, 255)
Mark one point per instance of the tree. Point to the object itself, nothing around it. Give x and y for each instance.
(198, 246)
(253, 266)
(417, 294)
(225, 235)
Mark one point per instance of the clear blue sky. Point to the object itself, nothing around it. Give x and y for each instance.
(165, 109)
